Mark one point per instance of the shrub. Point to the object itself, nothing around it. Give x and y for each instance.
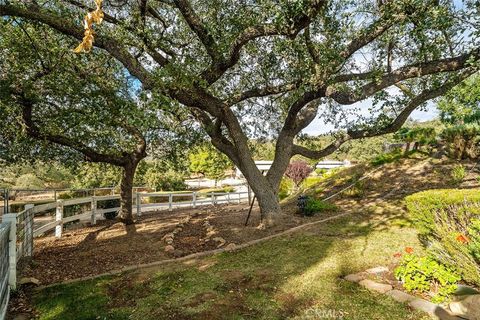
(286, 187)
(164, 181)
(297, 171)
(426, 275)
(310, 182)
(315, 205)
(358, 188)
(387, 158)
(462, 140)
(448, 221)
(458, 173)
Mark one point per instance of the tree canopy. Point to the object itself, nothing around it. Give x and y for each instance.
(268, 68)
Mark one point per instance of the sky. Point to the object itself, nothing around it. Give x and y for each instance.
(318, 126)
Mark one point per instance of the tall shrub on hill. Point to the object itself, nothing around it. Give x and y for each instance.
(298, 170)
(449, 225)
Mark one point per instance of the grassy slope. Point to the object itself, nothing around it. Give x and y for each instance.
(283, 278)
(298, 276)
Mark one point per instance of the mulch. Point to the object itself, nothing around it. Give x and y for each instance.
(109, 245)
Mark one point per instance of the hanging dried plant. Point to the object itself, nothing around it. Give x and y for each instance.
(92, 17)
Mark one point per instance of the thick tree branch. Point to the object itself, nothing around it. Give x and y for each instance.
(262, 92)
(407, 72)
(291, 30)
(393, 126)
(33, 131)
(195, 23)
(66, 27)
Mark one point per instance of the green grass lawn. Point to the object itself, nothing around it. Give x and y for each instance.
(297, 277)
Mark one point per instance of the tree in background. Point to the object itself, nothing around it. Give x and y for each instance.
(460, 112)
(270, 69)
(298, 171)
(209, 162)
(85, 108)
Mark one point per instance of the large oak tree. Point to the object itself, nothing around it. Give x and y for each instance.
(72, 108)
(244, 67)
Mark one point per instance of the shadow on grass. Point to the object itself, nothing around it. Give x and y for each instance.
(297, 276)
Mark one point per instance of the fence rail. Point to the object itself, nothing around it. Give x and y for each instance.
(18, 230)
(4, 269)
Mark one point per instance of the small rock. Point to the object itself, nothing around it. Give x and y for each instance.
(168, 235)
(377, 270)
(178, 229)
(169, 241)
(210, 233)
(400, 296)
(169, 248)
(467, 307)
(375, 286)
(424, 305)
(230, 246)
(29, 280)
(355, 277)
(220, 240)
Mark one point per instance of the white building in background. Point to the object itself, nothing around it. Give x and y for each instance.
(264, 165)
(331, 164)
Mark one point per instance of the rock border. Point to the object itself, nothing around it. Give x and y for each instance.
(414, 302)
(229, 248)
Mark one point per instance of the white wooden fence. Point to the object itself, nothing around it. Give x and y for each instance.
(4, 268)
(18, 230)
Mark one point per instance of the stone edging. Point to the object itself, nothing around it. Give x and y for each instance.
(195, 255)
(415, 302)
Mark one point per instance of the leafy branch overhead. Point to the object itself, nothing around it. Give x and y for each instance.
(247, 69)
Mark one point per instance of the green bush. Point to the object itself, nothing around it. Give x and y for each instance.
(422, 206)
(387, 158)
(449, 225)
(310, 182)
(286, 187)
(164, 181)
(458, 173)
(315, 205)
(426, 275)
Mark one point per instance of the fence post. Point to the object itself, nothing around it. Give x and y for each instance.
(228, 198)
(93, 219)
(11, 218)
(194, 200)
(138, 202)
(239, 197)
(170, 199)
(29, 228)
(213, 198)
(59, 219)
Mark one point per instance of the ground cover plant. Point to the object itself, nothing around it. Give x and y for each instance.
(448, 223)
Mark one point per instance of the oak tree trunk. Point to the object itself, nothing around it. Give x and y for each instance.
(126, 215)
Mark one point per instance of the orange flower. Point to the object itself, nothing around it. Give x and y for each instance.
(409, 250)
(462, 239)
(397, 255)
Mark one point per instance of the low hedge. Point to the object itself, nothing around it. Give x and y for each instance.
(449, 225)
(422, 206)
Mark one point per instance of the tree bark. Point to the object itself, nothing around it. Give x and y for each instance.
(125, 214)
(269, 204)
